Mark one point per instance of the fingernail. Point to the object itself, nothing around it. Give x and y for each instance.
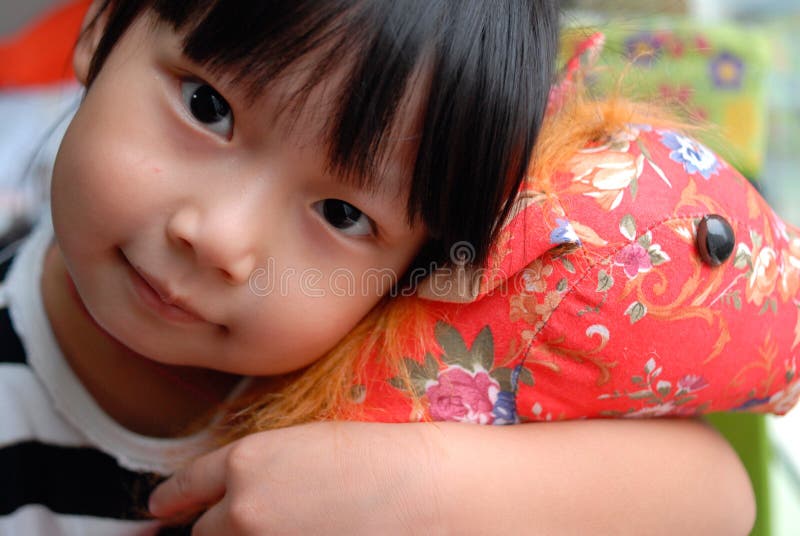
(152, 506)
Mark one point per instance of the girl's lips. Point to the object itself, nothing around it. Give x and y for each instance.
(152, 293)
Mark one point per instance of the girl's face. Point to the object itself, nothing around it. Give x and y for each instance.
(202, 230)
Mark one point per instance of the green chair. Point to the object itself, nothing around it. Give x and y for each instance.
(748, 434)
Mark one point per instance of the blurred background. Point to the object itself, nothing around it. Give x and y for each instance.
(14, 13)
(732, 63)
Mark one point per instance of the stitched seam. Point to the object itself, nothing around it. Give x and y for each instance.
(590, 266)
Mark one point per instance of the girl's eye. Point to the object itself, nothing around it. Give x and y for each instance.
(208, 107)
(345, 217)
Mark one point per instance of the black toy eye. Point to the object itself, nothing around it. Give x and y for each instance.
(715, 239)
(208, 107)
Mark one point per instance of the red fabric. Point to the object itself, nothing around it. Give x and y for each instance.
(596, 303)
(42, 53)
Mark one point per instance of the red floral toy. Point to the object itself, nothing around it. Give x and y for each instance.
(648, 279)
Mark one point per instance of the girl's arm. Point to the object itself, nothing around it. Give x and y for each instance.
(590, 477)
(595, 477)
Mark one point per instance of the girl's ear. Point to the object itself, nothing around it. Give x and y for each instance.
(91, 32)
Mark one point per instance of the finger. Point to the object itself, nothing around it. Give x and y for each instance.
(191, 488)
(215, 521)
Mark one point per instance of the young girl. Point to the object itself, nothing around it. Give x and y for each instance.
(218, 144)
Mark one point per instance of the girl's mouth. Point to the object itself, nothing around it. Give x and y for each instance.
(155, 296)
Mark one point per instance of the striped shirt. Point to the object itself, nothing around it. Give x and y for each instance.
(67, 468)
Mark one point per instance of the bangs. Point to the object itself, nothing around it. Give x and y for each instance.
(486, 68)
(376, 50)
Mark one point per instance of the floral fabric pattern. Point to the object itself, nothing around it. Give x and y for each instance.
(694, 156)
(464, 385)
(605, 308)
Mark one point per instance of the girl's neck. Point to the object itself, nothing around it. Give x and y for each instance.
(142, 395)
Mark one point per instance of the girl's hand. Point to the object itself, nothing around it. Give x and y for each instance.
(331, 478)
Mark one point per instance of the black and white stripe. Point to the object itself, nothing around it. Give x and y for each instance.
(54, 480)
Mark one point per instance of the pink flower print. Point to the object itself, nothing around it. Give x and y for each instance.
(691, 382)
(634, 259)
(463, 396)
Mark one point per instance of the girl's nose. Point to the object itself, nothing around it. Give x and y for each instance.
(217, 239)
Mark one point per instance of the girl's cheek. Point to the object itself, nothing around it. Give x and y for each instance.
(300, 318)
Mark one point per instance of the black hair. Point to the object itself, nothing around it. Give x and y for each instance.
(488, 68)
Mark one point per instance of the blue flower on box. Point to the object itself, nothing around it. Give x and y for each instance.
(564, 233)
(695, 157)
(727, 71)
(643, 48)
